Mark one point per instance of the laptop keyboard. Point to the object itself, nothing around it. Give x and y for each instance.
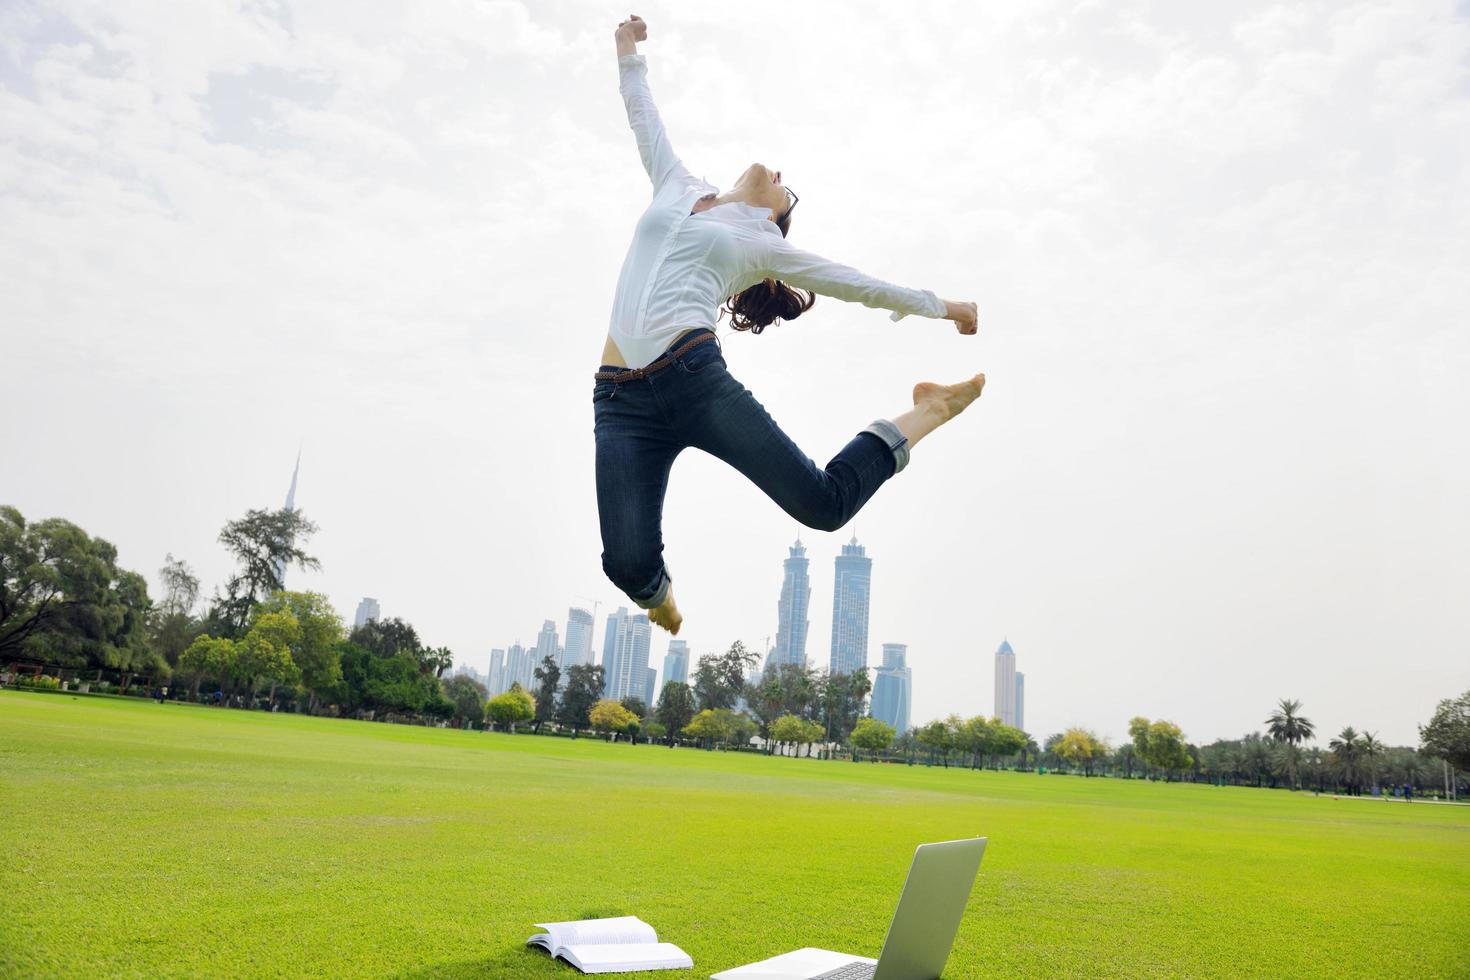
(852, 971)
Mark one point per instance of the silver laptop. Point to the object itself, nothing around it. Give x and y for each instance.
(919, 938)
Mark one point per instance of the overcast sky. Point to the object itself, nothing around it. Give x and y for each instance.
(1219, 254)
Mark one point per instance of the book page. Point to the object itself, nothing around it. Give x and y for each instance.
(627, 957)
(623, 929)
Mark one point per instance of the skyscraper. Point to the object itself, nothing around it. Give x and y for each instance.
(497, 684)
(518, 666)
(791, 610)
(290, 507)
(617, 624)
(579, 639)
(893, 685)
(676, 662)
(1005, 683)
(1020, 700)
(850, 589)
(627, 668)
(546, 644)
(650, 696)
(366, 609)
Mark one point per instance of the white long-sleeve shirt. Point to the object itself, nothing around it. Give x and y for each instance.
(681, 266)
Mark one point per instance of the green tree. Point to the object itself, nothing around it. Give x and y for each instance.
(1166, 747)
(548, 679)
(1286, 724)
(388, 637)
(938, 738)
(609, 717)
(264, 653)
(710, 726)
(315, 650)
(1346, 749)
(263, 543)
(719, 679)
(675, 708)
(171, 624)
(1081, 748)
(788, 730)
(1447, 735)
(873, 736)
(511, 708)
(583, 690)
(1138, 732)
(63, 600)
(468, 697)
(208, 656)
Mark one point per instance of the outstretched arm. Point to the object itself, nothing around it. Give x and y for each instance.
(780, 259)
(648, 128)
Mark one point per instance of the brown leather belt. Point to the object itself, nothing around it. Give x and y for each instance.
(633, 374)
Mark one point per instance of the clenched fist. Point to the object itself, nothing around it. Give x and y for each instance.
(634, 28)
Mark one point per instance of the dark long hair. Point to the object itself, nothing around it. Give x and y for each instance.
(769, 300)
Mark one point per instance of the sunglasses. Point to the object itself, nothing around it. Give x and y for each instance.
(782, 220)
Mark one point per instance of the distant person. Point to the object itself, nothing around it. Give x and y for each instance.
(663, 385)
(1408, 793)
(219, 697)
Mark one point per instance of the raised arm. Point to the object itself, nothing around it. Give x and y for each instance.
(779, 259)
(648, 128)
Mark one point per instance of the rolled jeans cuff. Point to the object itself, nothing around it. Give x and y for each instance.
(894, 440)
(660, 592)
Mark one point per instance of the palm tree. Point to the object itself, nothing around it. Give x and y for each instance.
(1369, 750)
(1286, 725)
(1345, 748)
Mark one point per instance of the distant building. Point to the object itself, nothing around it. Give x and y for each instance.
(617, 625)
(649, 694)
(791, 610)
(547, 645)
(893, 688)
(851, 587)
(290, 508)
(1020, 700)
(578, 650)
(518, 666)
(366, 609)
(497, 683)
(1005, 683)
(676, 662)
(633, 658)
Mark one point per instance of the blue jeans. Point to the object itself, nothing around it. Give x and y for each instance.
(642, 425)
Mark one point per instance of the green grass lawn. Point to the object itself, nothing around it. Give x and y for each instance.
(144, 840)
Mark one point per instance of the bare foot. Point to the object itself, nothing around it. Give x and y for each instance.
(947, 401)
(667, 615)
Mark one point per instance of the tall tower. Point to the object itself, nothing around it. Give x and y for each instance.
(497, 683)
(1020, 700)
(1005, 683)
(629, 673)
(366, 609)
(850, 590)
(579, 639)
(893, 687)
(676, 662)
(291, 508)
(546, 645)
(791, 611)
(612, 641)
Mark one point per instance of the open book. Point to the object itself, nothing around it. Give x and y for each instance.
(619, 945)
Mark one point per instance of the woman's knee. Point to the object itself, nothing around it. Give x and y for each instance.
(638, 574)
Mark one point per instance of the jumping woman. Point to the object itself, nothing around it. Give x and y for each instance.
(663, 386)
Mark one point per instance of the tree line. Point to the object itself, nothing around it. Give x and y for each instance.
(65, 604)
